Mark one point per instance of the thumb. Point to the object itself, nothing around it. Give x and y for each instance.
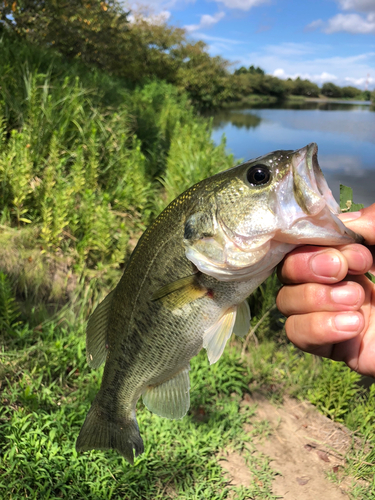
(362, 222)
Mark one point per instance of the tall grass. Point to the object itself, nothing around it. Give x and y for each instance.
(88, 176)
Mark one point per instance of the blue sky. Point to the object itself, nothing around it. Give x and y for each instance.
(322, 40)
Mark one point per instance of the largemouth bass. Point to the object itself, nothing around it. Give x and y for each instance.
(186, 284)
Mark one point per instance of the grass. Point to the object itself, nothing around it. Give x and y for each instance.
(47, 388)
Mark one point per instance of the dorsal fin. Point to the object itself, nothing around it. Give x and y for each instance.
(96, 333)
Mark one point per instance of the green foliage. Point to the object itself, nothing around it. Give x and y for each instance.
(89, 31)
(192, 157)
(303, 87)
(87, 175)
(243, 84)
(205, 78)
(70, 169)
(346, 200)
(351, 92)
(329, 89)
(334, 390)
(9, 311)
(252, 70)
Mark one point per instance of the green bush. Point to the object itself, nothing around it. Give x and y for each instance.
(303, 87)
(329, 89)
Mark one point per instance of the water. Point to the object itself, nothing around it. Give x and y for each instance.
(345, 134)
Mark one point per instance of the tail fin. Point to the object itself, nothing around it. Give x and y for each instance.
(102, 434)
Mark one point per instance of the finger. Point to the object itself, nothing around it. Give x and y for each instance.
(314, 265)
(318, 332)
(358, 257)
(314, 297)
(362, 222)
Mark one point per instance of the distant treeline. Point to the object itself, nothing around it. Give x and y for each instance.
(99, 34)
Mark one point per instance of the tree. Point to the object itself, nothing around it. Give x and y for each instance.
(304, 87)
(252, 70)
(350, 91)
(206, 78)
(329, 89)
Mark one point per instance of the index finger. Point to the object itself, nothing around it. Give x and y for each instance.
(362, 222)
(313, 264)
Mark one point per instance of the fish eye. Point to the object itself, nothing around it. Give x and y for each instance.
(258, 175)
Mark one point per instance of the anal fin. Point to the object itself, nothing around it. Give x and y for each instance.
(171, 399)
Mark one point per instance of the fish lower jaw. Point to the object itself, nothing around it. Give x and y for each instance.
(256, 272)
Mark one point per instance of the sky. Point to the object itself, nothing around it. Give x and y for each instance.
(322, 40)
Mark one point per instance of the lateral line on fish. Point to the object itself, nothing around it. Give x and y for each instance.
(144, 279)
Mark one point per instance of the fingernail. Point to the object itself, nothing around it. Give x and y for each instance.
(348, 216)
(347, 295)
(326, 265)
(347, 322)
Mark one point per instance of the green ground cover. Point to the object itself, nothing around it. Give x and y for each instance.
(47, 388)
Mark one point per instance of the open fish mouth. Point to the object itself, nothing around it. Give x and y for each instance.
(315, 220)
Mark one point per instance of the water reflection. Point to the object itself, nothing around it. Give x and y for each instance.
(322, 105)
(344, 133)
(238, 119)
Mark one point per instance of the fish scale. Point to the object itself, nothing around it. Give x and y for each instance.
(186, 284)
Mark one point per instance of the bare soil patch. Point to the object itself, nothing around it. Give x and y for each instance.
(304, 447)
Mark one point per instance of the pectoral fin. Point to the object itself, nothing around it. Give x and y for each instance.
(180, 292)
(215, 338)
(96, 333)
(170, 399)
(243, 317)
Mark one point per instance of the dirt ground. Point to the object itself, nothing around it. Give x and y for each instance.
(304, 446)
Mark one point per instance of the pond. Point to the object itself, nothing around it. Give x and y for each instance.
(344, 132)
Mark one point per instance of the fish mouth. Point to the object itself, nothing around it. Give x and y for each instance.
(312, 215)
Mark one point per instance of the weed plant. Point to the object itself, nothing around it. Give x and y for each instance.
(86, 172)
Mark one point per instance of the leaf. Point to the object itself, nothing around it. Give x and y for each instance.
(346, 200)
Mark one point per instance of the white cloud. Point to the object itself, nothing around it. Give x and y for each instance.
(153, 5)
(210, 38)
(359, 5)
(242, 4)
(360, 82)
(346, 163)
(351, 23)
(290, 49)
(315, 24)
(354, 22)
(217, 45)
(205, 22)
(160, 18)
(323, 77)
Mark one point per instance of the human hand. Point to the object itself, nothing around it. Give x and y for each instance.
(329, 302)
